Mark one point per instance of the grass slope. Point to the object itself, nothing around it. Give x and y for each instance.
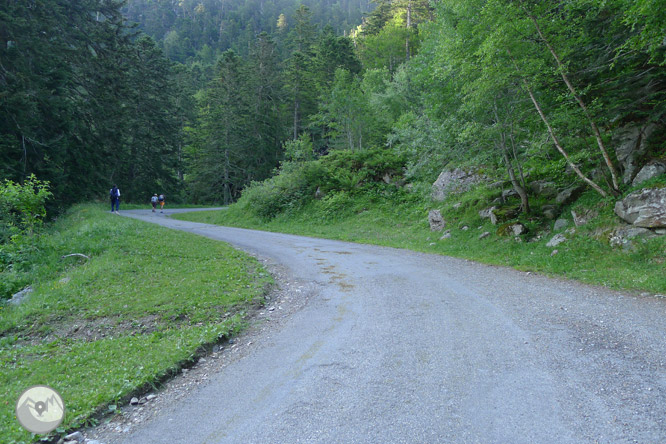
(400, 220)
(100, 330)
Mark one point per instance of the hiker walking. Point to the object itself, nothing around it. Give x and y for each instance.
(153, 201)
(114, 195)
(160, 199)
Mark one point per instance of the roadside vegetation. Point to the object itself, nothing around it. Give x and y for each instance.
(346, 196)
(103, 329)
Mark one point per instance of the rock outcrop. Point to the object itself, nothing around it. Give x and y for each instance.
(568, 195)
(453, 181)
(543, 188)
(622, 237)
(645, 208)
(631, 145)
(652, 169)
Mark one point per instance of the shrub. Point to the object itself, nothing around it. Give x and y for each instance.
(341, 171)
(22, 207)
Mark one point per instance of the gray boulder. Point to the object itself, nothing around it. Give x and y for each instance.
(644, 208)
(518, 229)
(436, 220)
(550, 211)
(543, 188)
(621, 237)
(17, 298)
(489, 213)
(556, 240)
(560, 224)
(453, 181)
(652, 169)
(506, 194)
(569, 195)
(631, 145)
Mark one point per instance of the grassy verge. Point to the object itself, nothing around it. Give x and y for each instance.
(400, 220)
(100, 330)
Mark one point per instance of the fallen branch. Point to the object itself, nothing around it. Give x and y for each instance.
(74, 254)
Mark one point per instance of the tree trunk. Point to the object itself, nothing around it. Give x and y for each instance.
(296, 119)
(553, 137)
(581, 103)
(520, 188)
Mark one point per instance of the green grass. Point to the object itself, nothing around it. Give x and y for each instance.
(400, 220)
(143, 305)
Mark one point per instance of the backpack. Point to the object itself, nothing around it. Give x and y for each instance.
(113, 193)
(161, 198)
(153, 199)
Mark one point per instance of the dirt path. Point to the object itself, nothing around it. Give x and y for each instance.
(390, 346)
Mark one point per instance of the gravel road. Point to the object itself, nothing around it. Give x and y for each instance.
(394, 346)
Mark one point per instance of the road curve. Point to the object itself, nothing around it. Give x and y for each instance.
(404, 347)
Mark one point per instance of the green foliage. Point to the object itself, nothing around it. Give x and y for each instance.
(299, 150)
(88, 103)
(22, 206)
(185, 27)
(296, 183)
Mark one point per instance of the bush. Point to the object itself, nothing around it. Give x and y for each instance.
(294, 186)
(22, 207)
(343, 171)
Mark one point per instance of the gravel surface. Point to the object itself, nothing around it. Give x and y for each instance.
(365, 344)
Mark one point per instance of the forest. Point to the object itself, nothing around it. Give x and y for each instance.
(200, 99)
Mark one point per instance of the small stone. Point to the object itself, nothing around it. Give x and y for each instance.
(134, 401)
(271, 308)
(185, 370)
(151, 397)
(518, 229)
(202, 360)
(436, 221)
(554, 253)
(465, 228)
(484, 235)
(556, 240)
(432, 243)
(76, 436)
(65, 280)
(446, 235)
(93, 441)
